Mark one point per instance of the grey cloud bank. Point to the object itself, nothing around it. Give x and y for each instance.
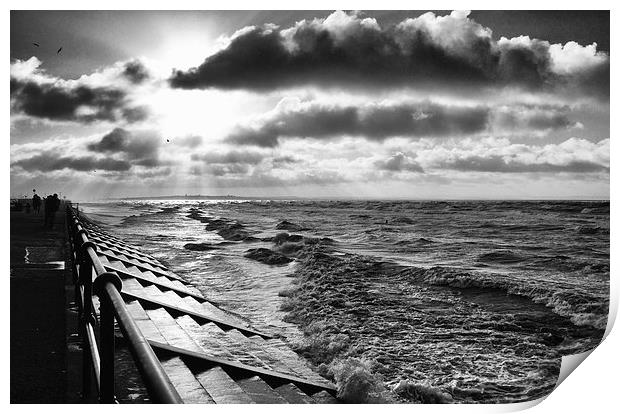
(378, 122)
(499, 164)
(54, 162)
(576, 156)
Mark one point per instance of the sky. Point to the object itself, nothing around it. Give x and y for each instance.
(375, 104)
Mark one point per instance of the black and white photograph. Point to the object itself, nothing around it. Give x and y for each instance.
(306, 206)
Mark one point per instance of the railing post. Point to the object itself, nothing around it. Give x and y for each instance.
(86, 280)
(106, 329)
(106, 334)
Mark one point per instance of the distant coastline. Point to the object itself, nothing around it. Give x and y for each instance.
(204, 197)
(236, 197)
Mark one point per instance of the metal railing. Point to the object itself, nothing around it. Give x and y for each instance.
(98, 355)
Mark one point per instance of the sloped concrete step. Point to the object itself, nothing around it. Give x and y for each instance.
(240, 370)
(145, 324)
(209, 344)
(147, 277)
(200, 307)
(269, 359)
(184, 286)
(132, 285)
(150, 330)
(186, 302)
(211, 309)
(107, 249)
(154, 292)
(171, 331)
(288, 357)
(260, 391)
(222, 388)
(293, 395)
(188, 387)
(136, 310)
(240, 352)
(174, 299)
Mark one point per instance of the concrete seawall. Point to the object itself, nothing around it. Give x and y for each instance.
(208, 355)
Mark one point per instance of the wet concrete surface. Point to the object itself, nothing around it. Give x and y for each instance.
(38, 330)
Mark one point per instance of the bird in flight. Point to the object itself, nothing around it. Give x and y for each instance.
(58, 51)
(36, 44)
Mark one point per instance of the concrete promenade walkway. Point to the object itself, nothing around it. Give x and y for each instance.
(38, 318)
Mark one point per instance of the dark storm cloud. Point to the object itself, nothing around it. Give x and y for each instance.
(139, 149)
(346, 50)
(498, 164)
(135, 71)
(54, 162)
(399, 162)
(56, 101)
(259, 59)
(374, 122)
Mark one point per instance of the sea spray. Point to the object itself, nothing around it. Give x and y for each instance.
(357, 383)
(421, 393)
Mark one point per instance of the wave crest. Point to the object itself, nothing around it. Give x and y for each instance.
(583, 308)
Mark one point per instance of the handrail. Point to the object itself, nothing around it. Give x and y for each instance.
(155, 378)
(98, 359)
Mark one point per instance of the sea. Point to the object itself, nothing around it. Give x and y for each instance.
(402, 301)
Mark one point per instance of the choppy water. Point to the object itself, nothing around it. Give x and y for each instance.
(475, 300)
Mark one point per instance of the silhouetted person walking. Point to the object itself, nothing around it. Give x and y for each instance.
(36, 203)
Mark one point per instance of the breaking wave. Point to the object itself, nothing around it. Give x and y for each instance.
(583, 307)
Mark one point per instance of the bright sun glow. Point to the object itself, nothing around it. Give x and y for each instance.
(210, 114)
(184, 49)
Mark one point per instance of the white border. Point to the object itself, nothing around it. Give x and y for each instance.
(592, 388)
